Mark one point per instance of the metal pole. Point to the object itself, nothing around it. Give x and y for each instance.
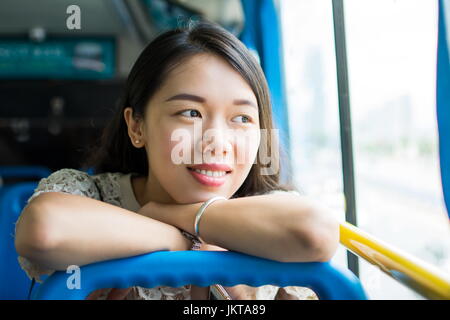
(345, 123)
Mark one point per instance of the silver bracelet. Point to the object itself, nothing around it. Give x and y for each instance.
(200, 213)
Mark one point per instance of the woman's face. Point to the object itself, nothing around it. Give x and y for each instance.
(201, 131)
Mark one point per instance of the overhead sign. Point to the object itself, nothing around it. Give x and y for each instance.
(57, 58)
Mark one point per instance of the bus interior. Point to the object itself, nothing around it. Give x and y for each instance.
(360, 91)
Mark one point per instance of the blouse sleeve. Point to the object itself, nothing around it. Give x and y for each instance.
(69, 181)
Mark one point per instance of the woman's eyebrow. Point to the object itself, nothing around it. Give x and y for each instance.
(239, 102)
(192, 97)
(187, 96)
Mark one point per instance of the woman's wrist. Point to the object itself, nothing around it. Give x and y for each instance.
(200, 212)
(163, 213)
(181, 216)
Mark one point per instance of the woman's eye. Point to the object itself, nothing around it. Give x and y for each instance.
(243, 119)
(191, 113)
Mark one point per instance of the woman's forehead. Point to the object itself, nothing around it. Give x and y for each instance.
(207, 75)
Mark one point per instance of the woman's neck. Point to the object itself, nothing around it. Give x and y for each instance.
(147, 188)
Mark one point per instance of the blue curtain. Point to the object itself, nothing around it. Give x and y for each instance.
(262, 35)
(443, 98)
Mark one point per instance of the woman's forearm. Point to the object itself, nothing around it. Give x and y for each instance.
(281, 227)
(57, 230)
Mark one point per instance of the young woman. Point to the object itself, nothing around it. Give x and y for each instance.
(198, 79)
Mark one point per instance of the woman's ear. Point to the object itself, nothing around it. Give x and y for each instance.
(135, 128)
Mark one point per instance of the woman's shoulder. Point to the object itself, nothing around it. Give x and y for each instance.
(103, 186)
(80, 175)
(109, 187)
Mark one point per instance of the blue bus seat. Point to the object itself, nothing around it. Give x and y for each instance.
(14, 283)
(202, 268)
(37, 172)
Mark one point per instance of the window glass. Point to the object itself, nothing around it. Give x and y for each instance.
(391, 50)
(311, 90)
(391, 53)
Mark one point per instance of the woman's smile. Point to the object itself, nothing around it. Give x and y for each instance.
(211, 175)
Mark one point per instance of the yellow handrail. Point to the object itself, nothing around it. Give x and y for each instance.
(420, 276)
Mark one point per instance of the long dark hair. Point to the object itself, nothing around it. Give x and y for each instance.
(113, 152)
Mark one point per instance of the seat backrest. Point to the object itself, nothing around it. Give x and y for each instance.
(35, 172)
(202, 268)
(14, 283)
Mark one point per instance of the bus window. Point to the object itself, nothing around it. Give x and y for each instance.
(311, 93)
(392, 70)
(391, 54)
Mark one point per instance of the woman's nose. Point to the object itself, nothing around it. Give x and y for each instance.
(216, 142)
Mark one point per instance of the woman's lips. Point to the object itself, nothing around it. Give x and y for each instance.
(208, 180)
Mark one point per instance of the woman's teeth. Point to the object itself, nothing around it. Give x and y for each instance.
(211, 173)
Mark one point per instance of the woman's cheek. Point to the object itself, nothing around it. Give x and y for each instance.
(172, 146)
(246, 148)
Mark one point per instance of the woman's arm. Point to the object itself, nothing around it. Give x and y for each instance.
(57, 229)
(283, 227)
